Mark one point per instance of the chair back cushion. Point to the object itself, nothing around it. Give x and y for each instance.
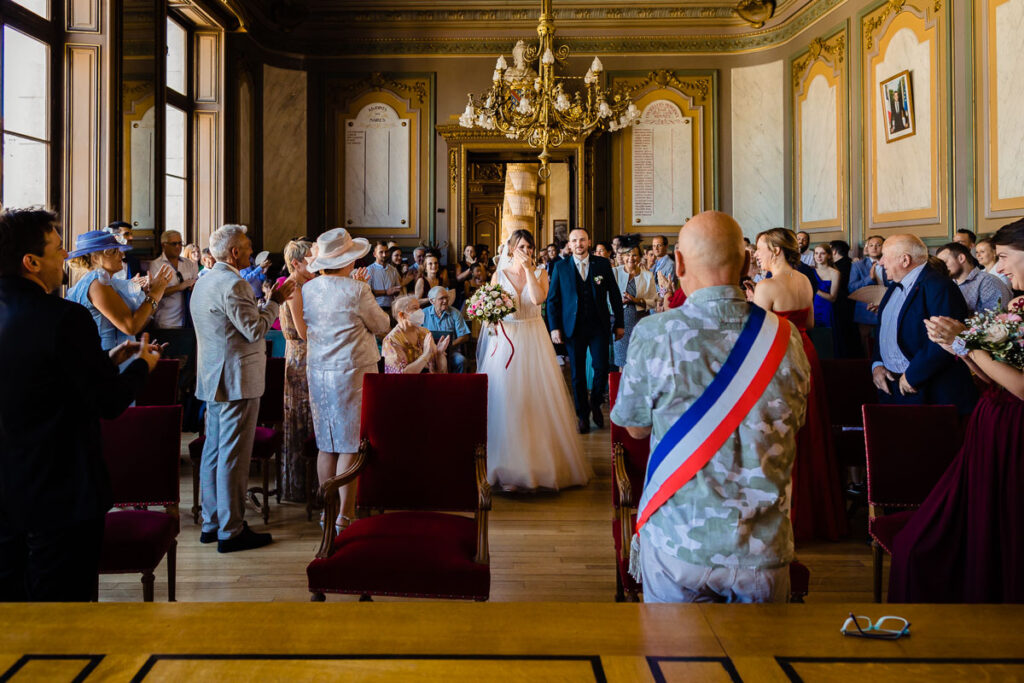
(142, 448)
(848, 386)
(423, 432)
(161, 388)
(272, 401)
(636, 450)
(908, 448)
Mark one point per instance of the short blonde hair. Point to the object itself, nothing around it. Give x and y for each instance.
(296, 250)
(83, 264)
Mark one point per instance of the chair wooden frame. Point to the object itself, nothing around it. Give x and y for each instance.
(624, 514)
(331, 505)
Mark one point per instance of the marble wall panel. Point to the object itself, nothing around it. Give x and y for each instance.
(819, 152)
(1009, 77)
(284, 156)
(758, 166)
(903, 169)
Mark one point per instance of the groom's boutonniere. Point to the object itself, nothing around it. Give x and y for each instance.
(597, 279)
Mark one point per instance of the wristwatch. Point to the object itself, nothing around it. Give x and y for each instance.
(151, 301)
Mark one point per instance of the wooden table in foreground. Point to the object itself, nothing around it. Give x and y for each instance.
(501, 641)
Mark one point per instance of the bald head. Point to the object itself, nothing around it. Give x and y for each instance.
(711, 250)
(902, 254)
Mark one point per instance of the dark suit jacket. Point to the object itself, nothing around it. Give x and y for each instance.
(562, 302)
(57, 384)
(938, 376)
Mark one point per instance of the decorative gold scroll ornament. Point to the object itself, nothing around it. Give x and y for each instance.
(755, 12)
(536, 109)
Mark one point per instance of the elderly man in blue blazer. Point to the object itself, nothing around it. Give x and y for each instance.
(231, 361)
(908, 367)
(582, 300)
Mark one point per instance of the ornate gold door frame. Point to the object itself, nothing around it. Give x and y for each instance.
(461, 142)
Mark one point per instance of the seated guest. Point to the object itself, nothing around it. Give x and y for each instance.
(985, 252)
(59, 383)
(341, 320)
(964, 544)
(444, 321)
(119, 308)
(966, 237)
(639, 295)
(697, 532)
(982, 291)
(231, 362)
(464, 268)
(418, 254)
(430, 275)
(908, 368)
(410, 348)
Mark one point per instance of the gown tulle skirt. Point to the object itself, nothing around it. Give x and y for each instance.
(966, 542)
(531, 425)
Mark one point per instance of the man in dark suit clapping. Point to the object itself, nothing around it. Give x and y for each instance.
(908, 367)
(582, 287)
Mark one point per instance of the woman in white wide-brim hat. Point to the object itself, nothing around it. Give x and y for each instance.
(341, 318)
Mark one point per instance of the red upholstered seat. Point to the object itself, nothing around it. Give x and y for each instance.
(421, 549)
(142, 450)
(161, 388)
(907, 450)
(440, 547)
(136, 540)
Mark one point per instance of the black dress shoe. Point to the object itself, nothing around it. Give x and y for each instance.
(598, 418)
(207, 536)
(582, 426)
(247, 539)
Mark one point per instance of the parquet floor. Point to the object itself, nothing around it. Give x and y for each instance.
(544, 547)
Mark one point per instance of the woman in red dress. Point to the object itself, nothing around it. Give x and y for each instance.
(966, 542)
(817, 508)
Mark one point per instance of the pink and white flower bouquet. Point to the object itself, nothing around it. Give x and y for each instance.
(1000, 333)
(489, 305)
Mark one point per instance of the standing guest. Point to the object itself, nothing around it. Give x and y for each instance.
(404, 273)
(256, 274)
(298, 420)
(554, 251)
(54, 486)
(483, 255)
(639, 296)
(818, 511)
(430, 276)
(982, 291)
(966, 238)
(908, 368)
(867, 271)
(206, 261)
(604, 251)
(664, 263)
(847, 339)
(172, 318)
(986, 254)
(410, 348)
(444, 321)
(231, 360)
(826, 290)
(122, 231)
(803, 241)
(650, 258)
(384, 280)
(341, 320)
(966, 543)
(697, 532)
(119, 308)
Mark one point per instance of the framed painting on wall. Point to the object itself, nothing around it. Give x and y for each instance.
(898, 104)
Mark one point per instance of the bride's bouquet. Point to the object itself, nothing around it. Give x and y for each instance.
(489, 305)
(998, 332)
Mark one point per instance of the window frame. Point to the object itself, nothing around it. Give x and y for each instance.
(185, 103)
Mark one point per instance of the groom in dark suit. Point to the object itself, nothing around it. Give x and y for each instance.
(582, 287)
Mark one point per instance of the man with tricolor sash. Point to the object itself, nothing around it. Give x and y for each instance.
(720, 386)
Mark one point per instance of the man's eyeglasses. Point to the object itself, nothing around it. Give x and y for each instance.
(886, 628)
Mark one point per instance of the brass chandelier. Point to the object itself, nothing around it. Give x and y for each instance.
(535, 108)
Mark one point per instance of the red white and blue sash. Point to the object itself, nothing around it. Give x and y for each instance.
(703, 428)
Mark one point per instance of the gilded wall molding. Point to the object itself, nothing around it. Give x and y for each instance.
(378, 81)
(694, 87)
(833, 50)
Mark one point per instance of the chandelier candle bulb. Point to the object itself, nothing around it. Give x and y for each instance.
(548, 58)
(501, 65)
(597, 67)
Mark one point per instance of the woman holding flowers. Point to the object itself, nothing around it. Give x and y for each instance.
(531, 443)
(966, 542)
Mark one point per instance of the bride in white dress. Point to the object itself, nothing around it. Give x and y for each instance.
(531, 426)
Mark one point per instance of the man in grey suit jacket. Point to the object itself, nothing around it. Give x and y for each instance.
(230, 363)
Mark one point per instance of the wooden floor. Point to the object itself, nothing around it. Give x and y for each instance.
(544, 547)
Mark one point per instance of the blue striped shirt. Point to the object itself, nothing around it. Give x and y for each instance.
(888, 333)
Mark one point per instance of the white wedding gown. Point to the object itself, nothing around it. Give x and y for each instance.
(531, 426)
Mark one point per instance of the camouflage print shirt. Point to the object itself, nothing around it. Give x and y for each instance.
(735, 512)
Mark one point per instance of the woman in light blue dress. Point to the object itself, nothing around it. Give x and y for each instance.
(120, 308)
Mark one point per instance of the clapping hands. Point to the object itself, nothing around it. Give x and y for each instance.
(283, 291)
(158, 281)
(149, 352)
(943, 330)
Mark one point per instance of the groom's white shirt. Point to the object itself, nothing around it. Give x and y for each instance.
(582, 265)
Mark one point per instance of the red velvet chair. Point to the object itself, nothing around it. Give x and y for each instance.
(848, 387)
(629, 469)
(161, 388)
(908, 449)
(142, 449)
(266, 444)
(424, 472)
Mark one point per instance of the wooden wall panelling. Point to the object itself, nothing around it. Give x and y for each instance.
(83, 16)
(208, 132)
(908, 181)
(821, 126)
(83, 135)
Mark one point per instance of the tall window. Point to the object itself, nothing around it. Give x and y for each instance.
(28, 149)
(178, 118)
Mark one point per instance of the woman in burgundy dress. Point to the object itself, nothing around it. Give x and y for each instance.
(966, 542)
(817, 508)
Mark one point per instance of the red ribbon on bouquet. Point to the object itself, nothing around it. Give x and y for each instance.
(495, 349)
